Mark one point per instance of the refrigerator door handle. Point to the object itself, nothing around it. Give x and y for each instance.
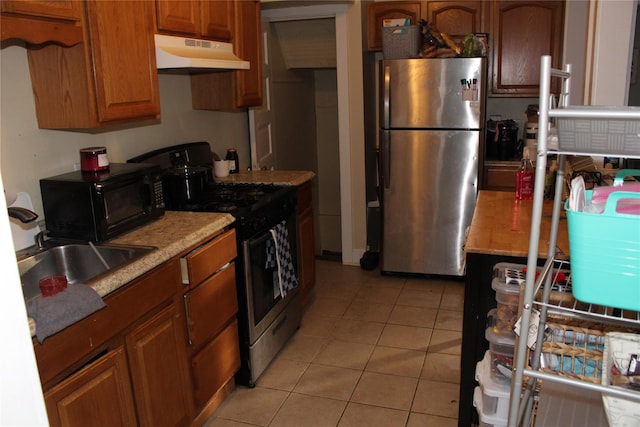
(385, 151)
(386, 97)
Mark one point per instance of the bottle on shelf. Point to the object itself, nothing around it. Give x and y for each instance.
(234, 163)
(525, 177)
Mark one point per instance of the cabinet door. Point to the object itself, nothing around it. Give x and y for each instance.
(235, 89)
(126, 78)
(97, 395)
(160, 371)
(306, 242)
(377, 12)
(178, 16)
(456, 17)
(70, 10)
(521, 32)
(217, 19)
(39, 21)
(248, 45)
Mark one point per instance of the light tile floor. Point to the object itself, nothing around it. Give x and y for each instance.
(371, 351)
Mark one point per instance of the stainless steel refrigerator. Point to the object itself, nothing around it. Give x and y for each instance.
(431, 117)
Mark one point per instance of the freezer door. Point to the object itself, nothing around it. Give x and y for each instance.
(429, 194)
(442, 93)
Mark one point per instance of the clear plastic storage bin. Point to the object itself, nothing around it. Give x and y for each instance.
(507, 279)
(495, 395)
(501, 348)
(485, 420)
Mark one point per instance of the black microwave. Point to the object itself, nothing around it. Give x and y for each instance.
(97, 206)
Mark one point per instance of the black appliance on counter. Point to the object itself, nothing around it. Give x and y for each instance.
(97, 206)
(266, 320)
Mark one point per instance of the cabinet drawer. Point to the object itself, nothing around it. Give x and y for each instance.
(211, 305)
(216, 363)
(205, 260)
(500, 178)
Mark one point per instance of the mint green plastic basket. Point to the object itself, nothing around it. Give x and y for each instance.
(605, 254)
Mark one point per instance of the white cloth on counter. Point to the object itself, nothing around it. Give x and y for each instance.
(279, 258)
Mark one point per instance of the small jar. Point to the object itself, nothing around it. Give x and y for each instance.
(234, 163)
(94, 159)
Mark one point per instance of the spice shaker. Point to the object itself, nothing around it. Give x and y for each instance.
(234, 162)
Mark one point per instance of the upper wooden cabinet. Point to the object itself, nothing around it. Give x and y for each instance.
(110, 78)
(377, 12)
(40, 21)
(235, 89)
(211, 19)
(521, 32)
(451, 17)
(456, 17)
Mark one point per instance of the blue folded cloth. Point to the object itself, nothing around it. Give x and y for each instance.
(53, 314)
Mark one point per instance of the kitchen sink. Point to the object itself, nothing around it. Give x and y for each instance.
(80, 262)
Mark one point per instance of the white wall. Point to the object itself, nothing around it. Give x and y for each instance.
(609, 51)
(28, 153)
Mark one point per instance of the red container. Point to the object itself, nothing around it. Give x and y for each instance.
(49, 286)
(94, 159)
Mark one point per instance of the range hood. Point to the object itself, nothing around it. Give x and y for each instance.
(179, 53)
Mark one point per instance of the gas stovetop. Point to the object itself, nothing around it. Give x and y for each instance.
(255, 206)
(236, 199)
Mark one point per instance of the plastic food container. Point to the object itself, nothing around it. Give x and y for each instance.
(485, 419)
(507, 279)
(495, 395)
(501, 350)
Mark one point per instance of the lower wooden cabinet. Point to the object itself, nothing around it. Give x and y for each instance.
(144, 383)
(211, 304)
(162, 353)
(98, 395)
(215, 364)
(306, 242)
(500, 176)
(160, 371)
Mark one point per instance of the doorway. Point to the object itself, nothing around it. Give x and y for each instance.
(304, 116)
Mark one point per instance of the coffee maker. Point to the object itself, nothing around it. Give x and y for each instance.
(502, 139)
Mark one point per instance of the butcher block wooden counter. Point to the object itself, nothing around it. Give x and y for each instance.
(501, 226)
(499, 232)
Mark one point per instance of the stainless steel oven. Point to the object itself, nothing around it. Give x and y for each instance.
(266, 320)
(271, 318)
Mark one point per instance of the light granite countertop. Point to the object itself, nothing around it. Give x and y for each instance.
(282, 177)
(171, 234)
